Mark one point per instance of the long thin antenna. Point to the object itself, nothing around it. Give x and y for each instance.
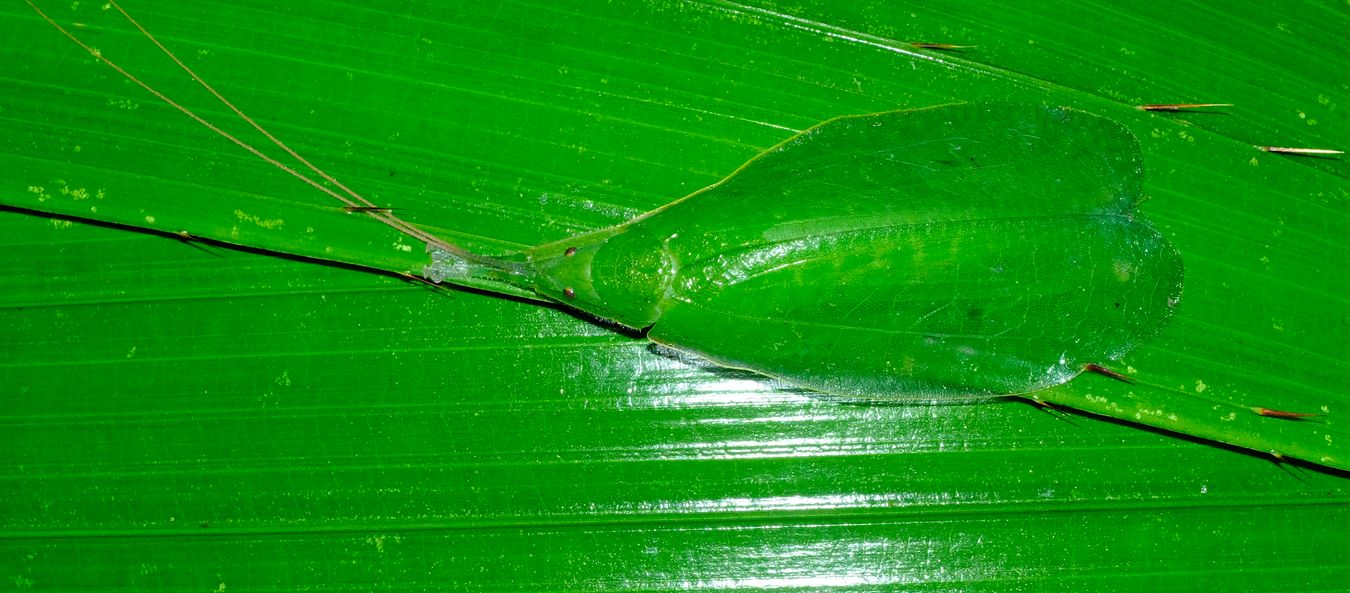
(236, 110)
(355, 201)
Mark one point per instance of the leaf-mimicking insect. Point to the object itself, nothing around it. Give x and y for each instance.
(972, 249)
(958, 251)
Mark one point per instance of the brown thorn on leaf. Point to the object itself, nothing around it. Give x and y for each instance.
(1305, 151)
(1180, 106)
(1101, 370)
(940, 46)
(1269, 413)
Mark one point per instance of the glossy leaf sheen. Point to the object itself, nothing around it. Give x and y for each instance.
(965, 250)
(181, 417)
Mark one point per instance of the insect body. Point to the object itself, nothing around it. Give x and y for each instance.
(915, 254)
(956, 251)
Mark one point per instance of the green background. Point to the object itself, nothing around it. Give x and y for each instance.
(181, 416)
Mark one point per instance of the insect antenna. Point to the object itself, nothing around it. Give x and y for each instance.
(353, 200)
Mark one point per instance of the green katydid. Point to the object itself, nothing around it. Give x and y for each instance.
(957, 251)
(971, 249)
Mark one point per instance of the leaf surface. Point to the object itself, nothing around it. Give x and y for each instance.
(182, 418)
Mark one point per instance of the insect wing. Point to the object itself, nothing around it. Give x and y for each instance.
(977, 249)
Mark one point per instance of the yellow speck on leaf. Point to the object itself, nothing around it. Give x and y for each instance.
(267, 223)
(39, 191)
(1123, 270)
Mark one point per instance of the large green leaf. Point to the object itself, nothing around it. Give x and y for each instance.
(189, 416)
